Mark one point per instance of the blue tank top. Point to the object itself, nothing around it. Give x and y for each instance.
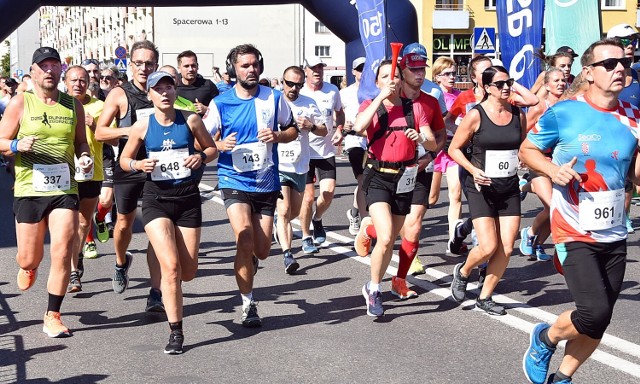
(176, 136)
(631, 94)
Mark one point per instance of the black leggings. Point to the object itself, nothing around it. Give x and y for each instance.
(594, 273)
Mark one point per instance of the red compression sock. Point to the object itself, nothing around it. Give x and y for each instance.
(408, 251)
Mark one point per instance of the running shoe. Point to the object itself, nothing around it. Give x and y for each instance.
(354, 223)
(154, 301)
(89, 251)
(400, 290)
(373, 301)
(319, 234)
(362, 242)
(74, 283)
(102, 231)
(120, 280)
(474, 238)
(250, 318)
(521, 183)
(290, 263)
(26, 278)
(630, 228)
(275, 228)
(308, 247)
(526, 242)
(256, 264)
(490, 306)
(482, 275)
(416, 267)
(553, 376)
(541, 255)
(53, 326)
(176, 339)
(80, 266)
(535, 362)
(455, 243)
(458, 284)
(110, 227)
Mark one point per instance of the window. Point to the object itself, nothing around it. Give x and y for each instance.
(323, 50)
(612, 4)
(490, 4)
(321, 28)
(451, 5)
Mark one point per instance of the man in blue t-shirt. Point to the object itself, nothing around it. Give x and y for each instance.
(594, 142)
(247, 117)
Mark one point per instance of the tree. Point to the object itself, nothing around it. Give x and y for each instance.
(5, 62)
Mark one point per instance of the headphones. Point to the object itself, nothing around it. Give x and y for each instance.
(229, 62)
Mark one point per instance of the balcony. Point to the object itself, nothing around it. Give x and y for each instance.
(451, 17)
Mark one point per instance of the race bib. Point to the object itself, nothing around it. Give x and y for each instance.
(501, 163)
(143, 114)
(289, 153)
(170, 165)
(81, 176)
(601, 210)
(249, 157)
(408, 180)
(53, 177)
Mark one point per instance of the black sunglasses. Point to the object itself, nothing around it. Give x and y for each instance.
(293, 84)
(107, 78)
(611, 63)
(500, 83)
(90, 61)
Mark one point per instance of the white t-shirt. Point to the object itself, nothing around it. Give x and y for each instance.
(350, 104)
(328, 100)
(298, 150)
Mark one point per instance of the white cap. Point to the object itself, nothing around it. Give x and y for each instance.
(313, 61)
(357, 62)
(622, 30)
(495, 62)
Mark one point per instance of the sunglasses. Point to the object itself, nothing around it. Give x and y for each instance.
(90, 61)
(107, 78)
(627, 41)
(292, 84)
(611, 63)
(447, 74)
(500, 83)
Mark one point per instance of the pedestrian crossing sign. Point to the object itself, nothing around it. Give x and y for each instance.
(484, 40)
(121, 64)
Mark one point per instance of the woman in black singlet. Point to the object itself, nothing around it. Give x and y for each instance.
(495, 128)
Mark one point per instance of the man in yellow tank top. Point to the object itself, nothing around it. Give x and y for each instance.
(44, 130)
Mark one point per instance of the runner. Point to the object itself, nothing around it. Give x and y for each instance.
(294, 161)
(127, 104)
(248, 164)
(590, 135)
(45, 193)
(171, 207)
(323, 152)
(390, 123)
(76, 79)
(495, 130)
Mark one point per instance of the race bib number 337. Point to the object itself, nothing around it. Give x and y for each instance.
(51, 177)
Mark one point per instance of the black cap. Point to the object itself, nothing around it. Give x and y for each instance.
(569, 50)
(11, 82)
(44, 53)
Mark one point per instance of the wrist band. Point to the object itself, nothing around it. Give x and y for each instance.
(203, 156)
(313, 128)
(131, 165)
(14, 146)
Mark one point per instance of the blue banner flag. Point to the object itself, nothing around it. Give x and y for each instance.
(579, 35)
(373, 23)
(520, 32)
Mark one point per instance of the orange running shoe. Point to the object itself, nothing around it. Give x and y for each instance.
(26, 278)
(53, 326)
(400, 290)
(362, 242)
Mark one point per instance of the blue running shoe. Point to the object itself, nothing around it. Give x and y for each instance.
(319, 234)
(308, 247)
(541, 255)
(526, 242)
(535, 362)
(374, 301)
(552, 377)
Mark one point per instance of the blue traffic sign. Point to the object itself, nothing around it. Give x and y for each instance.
(121, 52)
(484, 40)
(121, 64)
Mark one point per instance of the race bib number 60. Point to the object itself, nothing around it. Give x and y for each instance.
(501, 163)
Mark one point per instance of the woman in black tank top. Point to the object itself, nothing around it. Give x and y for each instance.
(495, 129)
